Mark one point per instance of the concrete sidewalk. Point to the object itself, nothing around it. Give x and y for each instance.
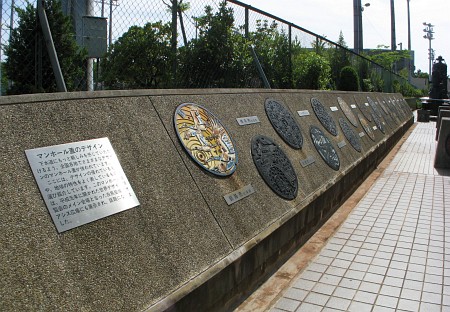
(390, 253)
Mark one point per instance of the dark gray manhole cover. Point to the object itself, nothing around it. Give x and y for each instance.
(325, 119)
(284, 123)
(378, 122)
(392, 111)
(374, 106)
(350, 135)
(365, 111)
(383, 107)
(274, 167)
(324, 147)
(366, 127)
(348, 112)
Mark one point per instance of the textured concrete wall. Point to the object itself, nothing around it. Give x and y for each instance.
(183, 248)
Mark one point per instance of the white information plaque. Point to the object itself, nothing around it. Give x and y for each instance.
(334, 108)
(303, 113)
(81, 182)
(243, 121)
(235, 196)
(374, 128)
(353, 106)
(307, 161)
(342, 144)
(361, 134)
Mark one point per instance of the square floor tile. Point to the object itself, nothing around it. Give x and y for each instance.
(430, 307)
(338, 303)
(410, 294)
(370, 287)
(364, 296)
(330, 279)
(387, 301)
(390, 290)
(304, 284)
(324, 289)
(317, 299)
(345, 293)
(408, 305)
(356, 306)
(287, 304)
(308, 307)
(433, 288)
(311, 276)
(431, 297)
(295, 294)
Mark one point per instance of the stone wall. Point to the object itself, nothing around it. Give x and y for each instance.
(183, 248)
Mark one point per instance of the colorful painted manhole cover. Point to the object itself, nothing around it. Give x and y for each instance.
(205, 139)
(347, 112)
(366, 127)
(274, 167)
(324, 147)
(284, 123)
(350, 135)
(325, 119)
(374, 106)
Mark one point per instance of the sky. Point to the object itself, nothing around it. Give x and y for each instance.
(329, 17)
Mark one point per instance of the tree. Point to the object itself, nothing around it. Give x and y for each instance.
(348, 80)
(207, 61)
(312, 71)
(339, 58)
(181, 8)
(140, 58)
(28, 64)
(274, 53)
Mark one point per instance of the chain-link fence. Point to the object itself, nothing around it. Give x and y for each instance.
(56, 45)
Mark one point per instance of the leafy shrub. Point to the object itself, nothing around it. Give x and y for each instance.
(349, 80)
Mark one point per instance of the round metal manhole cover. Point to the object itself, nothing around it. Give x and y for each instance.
(350, 135)
(274, 167)
(393, 111)
(205, 139)
(325, 119)
(347, 112)
(447, 145)
(324, 148)
(284, 123)
(383, 106)
(398, 109)
(366, 127)
(378, 122)
(365, 111)
(374, 106)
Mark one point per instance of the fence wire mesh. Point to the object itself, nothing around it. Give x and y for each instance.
(125, 44)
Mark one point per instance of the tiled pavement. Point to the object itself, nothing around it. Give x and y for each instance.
(393, 251)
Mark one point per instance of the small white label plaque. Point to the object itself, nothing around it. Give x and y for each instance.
(342, 144)
(81, 182)
(303, 113)
(334, 108)
(235, 196)
(367, 104)
(307, 161)
(361, 134)
(374, 128)
(353, 106)
(243, 121)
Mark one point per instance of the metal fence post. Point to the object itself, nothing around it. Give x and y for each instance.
(61, 85)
